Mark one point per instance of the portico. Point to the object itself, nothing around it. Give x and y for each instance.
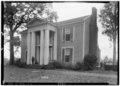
(41, 43)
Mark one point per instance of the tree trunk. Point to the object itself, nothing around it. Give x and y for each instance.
(114, 50)
(11, 49)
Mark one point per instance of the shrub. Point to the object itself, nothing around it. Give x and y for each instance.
(90, 62)
(57, 64)
(110, 67)
(19, 63)
(49, 66)
(67, 66)
(52, 65)
(78, 66)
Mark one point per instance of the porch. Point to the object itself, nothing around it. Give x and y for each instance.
(41, 46)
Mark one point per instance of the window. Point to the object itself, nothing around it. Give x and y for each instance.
(67, 54)
(68, 33)
(37, 38)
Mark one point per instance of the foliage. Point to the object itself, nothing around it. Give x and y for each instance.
(17, 15)
(78, 66)
(110, 67)
(19, 63)
(109, 16)
(57, 64)
(53, 65)
(68, 66)
(90, 62)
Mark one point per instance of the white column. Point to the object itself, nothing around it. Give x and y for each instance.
(46, 52)
(30, 60)
(41, 47)
(33, 46)
(28, 47)
(55, 45)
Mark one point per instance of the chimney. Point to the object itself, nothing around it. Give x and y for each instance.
(93, 33)
(94, 14)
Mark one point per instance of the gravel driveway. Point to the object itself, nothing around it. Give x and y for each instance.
(15, 74)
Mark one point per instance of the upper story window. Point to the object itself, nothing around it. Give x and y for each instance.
(68, 34)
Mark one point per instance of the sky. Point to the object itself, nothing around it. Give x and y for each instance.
(72, 10)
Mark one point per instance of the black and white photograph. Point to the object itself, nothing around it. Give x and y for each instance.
(60, 42)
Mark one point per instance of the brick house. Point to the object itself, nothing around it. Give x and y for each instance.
(67, 41)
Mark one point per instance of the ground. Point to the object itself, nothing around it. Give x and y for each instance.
(15, 74)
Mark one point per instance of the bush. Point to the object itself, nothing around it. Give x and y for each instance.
(67, 66)
(90, 62)
(49, 66)
(52, 65)
(57, 64)
(19, 63)
(110, 67)
(78, 66)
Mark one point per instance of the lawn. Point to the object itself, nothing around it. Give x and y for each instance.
(15, 74)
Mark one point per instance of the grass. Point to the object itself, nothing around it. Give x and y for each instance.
(15, 74)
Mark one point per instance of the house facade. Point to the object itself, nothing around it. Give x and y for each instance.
(67, 41)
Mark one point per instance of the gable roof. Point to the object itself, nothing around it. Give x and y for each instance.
(70, 21)
(37, 21)
(61, 23)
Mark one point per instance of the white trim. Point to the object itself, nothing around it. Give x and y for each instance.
(68, 47)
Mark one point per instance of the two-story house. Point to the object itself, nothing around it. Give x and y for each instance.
(66, 41)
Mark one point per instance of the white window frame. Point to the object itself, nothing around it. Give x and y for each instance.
(66, 34)
(73, 27)
(72, 54)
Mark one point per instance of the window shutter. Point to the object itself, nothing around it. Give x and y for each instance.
(63, 54)
(63, 34)
(71, 54)
(71, 34)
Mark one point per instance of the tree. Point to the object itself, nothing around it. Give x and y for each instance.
(109, 19)
(17, 15)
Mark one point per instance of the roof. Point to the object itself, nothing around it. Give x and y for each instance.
(61, 23)
(39, 22)
(79, 19)
(25, 31)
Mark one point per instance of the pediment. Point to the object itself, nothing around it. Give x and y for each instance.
(35, 21)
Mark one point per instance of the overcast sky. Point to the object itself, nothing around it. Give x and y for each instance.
(72, 10)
